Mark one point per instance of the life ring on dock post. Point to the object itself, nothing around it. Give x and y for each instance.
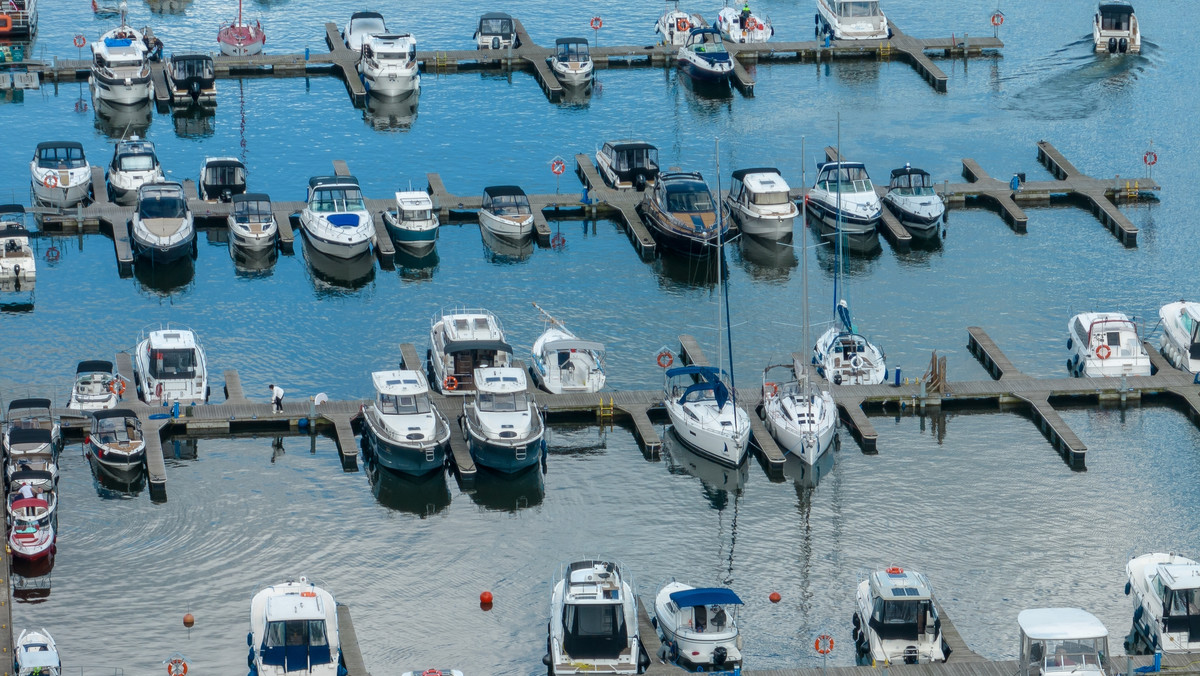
(80, 41)
(665, 359)
(1103, 352)
(50, 180)
(1150, 158)
(998, 19)
(177, 666)
(597, 23)
(558, 167)
(450, 383)
(824, 644)
(52, 254)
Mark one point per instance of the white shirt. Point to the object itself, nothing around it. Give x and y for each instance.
(277, 392)
(26, 491)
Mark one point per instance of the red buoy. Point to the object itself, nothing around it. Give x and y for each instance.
(775, 597)
(486, 597)
(189, 620)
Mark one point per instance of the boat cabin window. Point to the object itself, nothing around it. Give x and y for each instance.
(1115, 19)
(112, 430)
(1182, 603)
(326, 200)
(851, 179)
(708, 43)
(770, 198)
(186, 68)
(573, 51)
(224, 174)
(857, 9)
(178, 364)
(396, 55)
(251, 211)
(510, 205)
(690, 199)
(139, 162)
(501, 403)
(637, 158)
(495, 27)
(594, 631)
(913, 184)
(417, 214)
(1066, 655)
(401, 404)
(1193, 329)
(901, 620)
(296, 644)
(158, 206)
(61, 157)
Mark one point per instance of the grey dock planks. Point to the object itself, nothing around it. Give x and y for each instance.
(351, 653)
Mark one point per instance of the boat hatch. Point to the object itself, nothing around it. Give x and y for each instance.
(594, 630)
(295, 645)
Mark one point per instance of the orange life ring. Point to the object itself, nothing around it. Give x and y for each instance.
(682, 25)
(665, 359)
(1103, 352)
(80, 41)
(117, 387)
(158, 390)
(771, 388)
(50, 180)
(597, 23)
(177, 667)
(450, 383)
(5, 23)
(998, 19)
(1150, 158)
(824, 644)
(558, 167)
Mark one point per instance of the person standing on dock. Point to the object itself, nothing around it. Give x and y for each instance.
(276, 397)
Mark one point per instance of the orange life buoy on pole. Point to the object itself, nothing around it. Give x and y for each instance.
(177, 667)
(823, 644)
(665, 359)
(1150, 158)
(1103, 352)
(450, 383)
(50, 180)
(998, 19)
(80, 41)
(597, 23)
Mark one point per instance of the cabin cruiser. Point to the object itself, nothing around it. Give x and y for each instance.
(388, 66)
(506, 212)
(496, 31)
(252, 224)
(1061, 642)
(681, 214)
(1115, 28)
(361, 26)
(96, 386)
(239, 38)
(572, 61)
(705, 414)
(121, 67)
(402, 425)
(221, 178)
(844, 199)
(169, 366)
(294, 630)
(744, 26)
(852, 20)
(564, 363)
(134, 164)
(30, 428)
(35, 654)
(162, 229)
(461, 341)
(800, 417)
(18, 263)
(60, 173)
(192, 79)
(896, 620)
(704, 57)
(413, 224)
(1180, 342)
(502, 423)
(116, 439)
(844, 356)
(31, 531)
(699, 626)
(1105, 344)
(760, 203)
(336, 218)
(675, 25)
(914, 202)
(628, 165)
(593, 621)
(1166, 601)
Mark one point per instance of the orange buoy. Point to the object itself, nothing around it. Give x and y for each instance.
(486, 598)
(188, 620)
(775, 597)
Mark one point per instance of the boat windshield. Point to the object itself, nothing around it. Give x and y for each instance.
(913, 184)
(224, 174)
(254, 211)
(770, 198)
(708, 43)
(691, 199)
(416, 214)
(495, 26)
(594, 631)
(1182, 604)
(1116, 19)
(162, 207)
(573, 51)
(179, 364)
(851, 179)
(510, 205)
(1067, 655)
(857, 9)
(402, 404)
(296, 645)
(139, 162)
(185, 68)
(369, 26)
(501, 403)
(637, 158)
(331, 200)
(113, 430)
(61, 157)
(901, 620)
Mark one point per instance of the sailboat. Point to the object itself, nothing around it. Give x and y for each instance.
(240, 38)
(842, 355)
(702, 400)
(800, 417)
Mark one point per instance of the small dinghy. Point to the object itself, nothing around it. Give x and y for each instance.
(699, 626)
(116, 439)
(1166, 602)
(18, 262)
(35, 654)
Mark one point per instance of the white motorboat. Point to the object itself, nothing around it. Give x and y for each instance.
(915, 203)
(1115, 28)
(626, 165)
(162, 229)
(593, 621)
(294, 630)
(96, 386)
(744, 25)
(571, 61)
(506, 212)
(844, 356)
(760, 203)
(31, 530)
(239, 38)
(335, 218)
(169, 366)
(221, 178)
(704, 57)
(405, 430)
(39, 471)
(705, 415)
(1166, 602)
(20, 507)
(413, 224)
(251, 222)
(121, 66)
(1105, 344)
(502, 423)
(361, 26)
(18, 262)
(800, 417)
(60, 173)
(462, 340)
(844, 199)
(116, 439)
(674, 25)
(35, 654)
(389, 67)
(192, 79)
(896, 620)
(699, 626)
(1061, 642)
(134, 164)
(564, 363)
(852, 20)
(496, 31)
(30, 428)
(1180, 342)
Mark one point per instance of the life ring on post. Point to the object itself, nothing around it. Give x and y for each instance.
(824, 644)
(450, 383)
(1103, 352)
(558, 167)
(665, 359)
(50, 180)
(177, 667)
(80, 41)
(998, 19)
(1150, 158)
(682, 25)
(52, 254)
(597, 23)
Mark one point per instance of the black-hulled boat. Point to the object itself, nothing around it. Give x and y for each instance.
(681, 214)
(192, 79)
(628, 164)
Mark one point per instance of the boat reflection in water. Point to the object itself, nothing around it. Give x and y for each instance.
(165, 279)
(424, 496)
(341, 273)
(719, 481)
(118, 121)
(416, 268)
(117, 484)
(391, 114)
(863, 245)
(807, 477)
(766, 259)
(505, 251)
(576, 95)
(507, 492)
(687, 271)
(194, 121)
(253, 264)
(31, 579)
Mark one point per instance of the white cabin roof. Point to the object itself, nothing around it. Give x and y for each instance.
(293, 606)
(472, 325)
(413, 199)
(1088, 318)
(1060, 623)
(897, 584)
(390, 41)
(400, 382)
(500, 380)
(1180, 575)
(167, 339)
(765, 182)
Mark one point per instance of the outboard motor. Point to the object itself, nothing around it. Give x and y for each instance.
(719, 655)
(911, 654)
(195, 91)
(226, 195)
(1124, 45)
(495, 42)
(639, 182)
(1112, 45)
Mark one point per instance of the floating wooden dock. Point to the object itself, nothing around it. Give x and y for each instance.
(348, 638)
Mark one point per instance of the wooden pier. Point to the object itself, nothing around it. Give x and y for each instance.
(348, 638)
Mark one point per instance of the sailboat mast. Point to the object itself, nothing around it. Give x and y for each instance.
(837, 223)
(804, 258)
(724, 295)
(239, 12)
(720, 256)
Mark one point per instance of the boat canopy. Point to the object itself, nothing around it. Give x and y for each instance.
(707, 596)
(503, 190)
(38, 402)
(496, 23)
(162, 200)
(366, 15)
(184, 66)
(571, 49)
(113, 413)
(1049, 624)
(11, 209)
(29, 435)
(94, 366)
(30, 476)
(711, 382)
(56, 154)
(453, 346)
(251, 206)
(686, 192)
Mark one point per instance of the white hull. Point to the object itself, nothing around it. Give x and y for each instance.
(695, 650)
(1148, 603)
(61, 195)
(390, 84)
(883, 652)
(504, 227)
(1176, 339)
(125, 95)
(917, 212)
(868, 28)
(580, 74)
(254, 241)
(802, 424)
(349, 242)
(1092, 357)
(18, 269)
(1132, 38)
(774, 228)
(706, 434)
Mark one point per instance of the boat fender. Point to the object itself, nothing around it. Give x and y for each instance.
(1112, 45)
(546, 659)
(837, 379)
(856, 622)
(1128, 588)
(1070, 366)
(817, 19)
(672, 651)
(1070, 343)
(1123, 45)
(1137, 613)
